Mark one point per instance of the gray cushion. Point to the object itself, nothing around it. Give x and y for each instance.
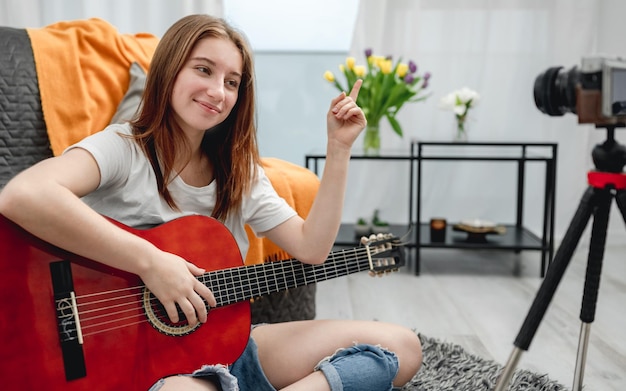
(132, 99)
(23, 136)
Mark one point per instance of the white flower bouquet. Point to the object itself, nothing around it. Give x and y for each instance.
(459, 102)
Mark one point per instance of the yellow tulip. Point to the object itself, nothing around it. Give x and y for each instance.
(359, 70)
(387, 85)
(402, 69)
(350, 61)
(377, 61)
(386, 67)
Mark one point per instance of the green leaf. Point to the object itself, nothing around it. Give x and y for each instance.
(395, 125)
(338, 85)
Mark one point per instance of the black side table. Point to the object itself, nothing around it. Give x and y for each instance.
(517, 237)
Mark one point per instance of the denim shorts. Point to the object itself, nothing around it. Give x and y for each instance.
(360, 367)
(347, 369)
(244, 374)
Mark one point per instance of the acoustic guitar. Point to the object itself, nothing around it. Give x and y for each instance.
(70, 323)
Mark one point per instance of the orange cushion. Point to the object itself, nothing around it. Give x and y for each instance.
(298, 186)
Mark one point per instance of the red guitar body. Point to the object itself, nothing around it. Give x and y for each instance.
(119, 355)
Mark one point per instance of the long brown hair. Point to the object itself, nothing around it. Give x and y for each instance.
(231, 146)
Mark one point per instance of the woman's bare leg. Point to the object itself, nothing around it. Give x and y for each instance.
(289, 351)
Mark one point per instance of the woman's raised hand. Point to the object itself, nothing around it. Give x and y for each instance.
(345, 119)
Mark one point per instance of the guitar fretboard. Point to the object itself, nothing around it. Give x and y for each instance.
(246, 282)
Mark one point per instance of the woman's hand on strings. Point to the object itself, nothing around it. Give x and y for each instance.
(173, 281)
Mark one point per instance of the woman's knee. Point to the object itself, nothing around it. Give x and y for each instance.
(409, 351)
(360, 367)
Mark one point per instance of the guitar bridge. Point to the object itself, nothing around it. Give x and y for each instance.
(68, 323)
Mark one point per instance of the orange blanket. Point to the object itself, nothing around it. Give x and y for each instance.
(83, 71)
(298, 186)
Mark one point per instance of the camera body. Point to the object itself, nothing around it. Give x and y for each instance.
(596, 92)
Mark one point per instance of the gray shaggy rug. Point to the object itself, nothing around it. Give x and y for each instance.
(448, 367)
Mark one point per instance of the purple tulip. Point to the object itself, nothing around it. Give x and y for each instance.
(412, 67)
(368, 53)
(408, 79)
(426, 76)
(425, 83)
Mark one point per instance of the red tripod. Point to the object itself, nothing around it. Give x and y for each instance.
(606, 182)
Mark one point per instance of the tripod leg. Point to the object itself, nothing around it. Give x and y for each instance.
(592, 281)
(548, 287)
(620, 197)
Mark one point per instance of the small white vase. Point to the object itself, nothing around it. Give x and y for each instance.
(460, 129)
(362, 230)
(380, 229)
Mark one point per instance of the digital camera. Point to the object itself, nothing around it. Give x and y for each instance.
(596, 92)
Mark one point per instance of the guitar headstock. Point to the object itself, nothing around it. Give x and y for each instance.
(385, 253)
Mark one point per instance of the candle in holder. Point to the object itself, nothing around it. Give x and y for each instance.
(438, 230)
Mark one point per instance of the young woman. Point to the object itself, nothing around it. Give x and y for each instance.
(192, 150)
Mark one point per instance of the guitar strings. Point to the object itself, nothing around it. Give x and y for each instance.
(204, 276)
(224, 289)
(323, 271)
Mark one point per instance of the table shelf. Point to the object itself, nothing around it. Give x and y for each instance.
(347, 236)
(516, 238)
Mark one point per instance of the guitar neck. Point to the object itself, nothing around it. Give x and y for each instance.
(246, 282)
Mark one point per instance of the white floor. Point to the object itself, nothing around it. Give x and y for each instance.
(479, 299)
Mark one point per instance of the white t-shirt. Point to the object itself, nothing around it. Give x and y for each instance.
(128, 191)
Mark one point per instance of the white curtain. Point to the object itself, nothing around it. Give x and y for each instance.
(497, 48)
(152, 16)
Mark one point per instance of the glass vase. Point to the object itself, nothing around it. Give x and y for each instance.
(371, 141)
(460, 135)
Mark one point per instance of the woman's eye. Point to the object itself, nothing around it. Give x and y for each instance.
(203, 69)
(232, 83)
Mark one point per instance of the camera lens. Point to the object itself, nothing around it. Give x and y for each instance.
(555, 91)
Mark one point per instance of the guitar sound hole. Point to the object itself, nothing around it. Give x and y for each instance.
(157, 316)
(161, 314)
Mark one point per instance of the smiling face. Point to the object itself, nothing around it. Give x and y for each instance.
(207, 87)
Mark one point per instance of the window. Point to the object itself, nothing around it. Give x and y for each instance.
(286, 25)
